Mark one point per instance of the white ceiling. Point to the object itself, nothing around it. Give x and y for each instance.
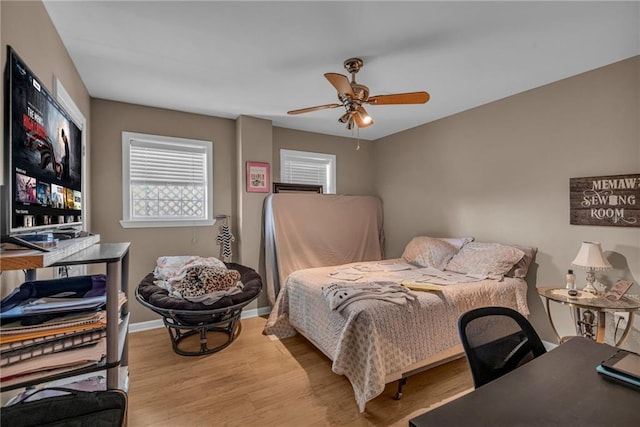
(264, 58)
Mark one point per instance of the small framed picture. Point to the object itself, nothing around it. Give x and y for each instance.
(257, 177)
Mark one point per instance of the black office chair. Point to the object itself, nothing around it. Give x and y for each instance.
(497, 340)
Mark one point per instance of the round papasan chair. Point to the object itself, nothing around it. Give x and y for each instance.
(184, 318)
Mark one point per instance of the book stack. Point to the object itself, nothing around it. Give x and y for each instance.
(53, 326)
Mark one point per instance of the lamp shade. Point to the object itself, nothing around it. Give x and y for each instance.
(591, 256)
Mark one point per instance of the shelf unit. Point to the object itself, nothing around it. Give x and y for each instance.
(84, 250)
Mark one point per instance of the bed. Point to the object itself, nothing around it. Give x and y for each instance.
(373, 341)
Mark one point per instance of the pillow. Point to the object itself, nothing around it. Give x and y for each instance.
(521, 268)
(433, 252)
(492, 259)
(458, 242)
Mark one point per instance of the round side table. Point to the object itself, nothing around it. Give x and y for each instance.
(584, 305)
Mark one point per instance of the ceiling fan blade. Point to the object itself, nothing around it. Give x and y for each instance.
(362, 118)
(319, 107)
(399, 98)
(341, 83)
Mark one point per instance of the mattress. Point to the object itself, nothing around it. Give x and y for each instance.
(370, 339)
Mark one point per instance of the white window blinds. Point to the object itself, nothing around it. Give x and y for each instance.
(303, 167)
(167, 181)
(153, 162)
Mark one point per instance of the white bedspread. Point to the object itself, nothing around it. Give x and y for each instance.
(370, 339)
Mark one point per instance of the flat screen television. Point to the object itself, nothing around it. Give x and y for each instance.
(43, 157)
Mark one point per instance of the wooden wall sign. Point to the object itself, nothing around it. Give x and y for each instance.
(605, 200)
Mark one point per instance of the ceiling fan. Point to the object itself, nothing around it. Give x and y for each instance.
(353, 95)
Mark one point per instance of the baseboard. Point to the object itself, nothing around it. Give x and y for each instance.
(157, 323)
(255, 312)
(145, 326)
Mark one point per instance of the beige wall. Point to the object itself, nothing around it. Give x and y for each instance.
(235, 142)
(500, 172)
(253, 143)
(109, 120)
(26, 27)
(354, 171)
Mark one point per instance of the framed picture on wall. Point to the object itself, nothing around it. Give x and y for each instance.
(257, 177)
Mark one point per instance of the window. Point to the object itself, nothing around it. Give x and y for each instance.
(304, 167)
(166, 181)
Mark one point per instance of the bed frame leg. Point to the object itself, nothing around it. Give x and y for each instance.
(401, 384)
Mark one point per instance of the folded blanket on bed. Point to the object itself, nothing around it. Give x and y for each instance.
(339, 295)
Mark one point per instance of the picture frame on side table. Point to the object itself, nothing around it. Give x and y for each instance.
(258, 179)
(618, 290)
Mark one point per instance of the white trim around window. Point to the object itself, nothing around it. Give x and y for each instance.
(66, 101)
(166, 181)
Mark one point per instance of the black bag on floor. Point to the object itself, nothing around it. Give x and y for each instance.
(72, 409)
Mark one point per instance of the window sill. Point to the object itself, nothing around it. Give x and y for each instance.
(162, 223)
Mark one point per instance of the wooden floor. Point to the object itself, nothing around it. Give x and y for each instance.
(257, 381)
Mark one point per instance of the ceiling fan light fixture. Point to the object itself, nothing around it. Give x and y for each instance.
(345, 117)
(362, 117)
(350, 123)
(353, 95)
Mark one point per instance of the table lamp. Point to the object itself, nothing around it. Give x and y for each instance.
(591, 257)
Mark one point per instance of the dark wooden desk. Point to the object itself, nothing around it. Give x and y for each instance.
(559, 388)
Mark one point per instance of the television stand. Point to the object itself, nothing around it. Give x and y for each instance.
(84, 250)
(23, 243)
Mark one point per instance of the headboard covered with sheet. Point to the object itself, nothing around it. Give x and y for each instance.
(318, 230)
